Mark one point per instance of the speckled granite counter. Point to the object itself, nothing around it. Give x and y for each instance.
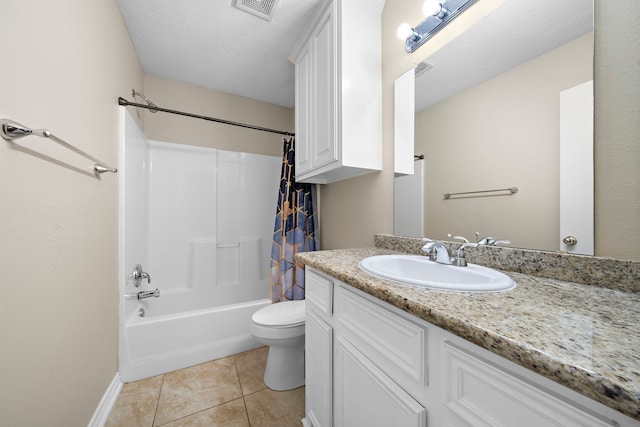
(584, 337)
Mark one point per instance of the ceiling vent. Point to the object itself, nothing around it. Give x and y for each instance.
(423, 67)
(261, 8)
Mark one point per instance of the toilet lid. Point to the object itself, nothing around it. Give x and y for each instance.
(286, 313)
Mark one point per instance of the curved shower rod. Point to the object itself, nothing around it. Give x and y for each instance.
(154, 108)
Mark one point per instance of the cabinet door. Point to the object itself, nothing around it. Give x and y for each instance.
(480, 394)
(324, 148)
(303, 101)
(318, 369)
(366, 396)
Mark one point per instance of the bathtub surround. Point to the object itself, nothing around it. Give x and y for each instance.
(295, 230)
(581, 335)
(199, 221)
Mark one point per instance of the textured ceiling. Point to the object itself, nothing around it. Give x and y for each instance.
(213, 44)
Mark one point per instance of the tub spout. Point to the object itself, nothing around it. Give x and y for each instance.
(149, 294)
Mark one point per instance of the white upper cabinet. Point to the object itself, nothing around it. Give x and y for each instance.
(339, 93)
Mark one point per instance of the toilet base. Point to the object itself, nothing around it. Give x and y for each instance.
(285, 367)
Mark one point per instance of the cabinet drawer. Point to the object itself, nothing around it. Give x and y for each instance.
(319, 291)
(482, 394)
(391, 342)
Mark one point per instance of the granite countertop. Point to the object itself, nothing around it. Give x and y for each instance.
(584, 337)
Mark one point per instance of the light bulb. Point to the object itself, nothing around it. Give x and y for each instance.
(431, 7)
(404, 31)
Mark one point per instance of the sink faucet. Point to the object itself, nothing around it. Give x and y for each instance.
(437, 252)
(490, 241)
(460, 260)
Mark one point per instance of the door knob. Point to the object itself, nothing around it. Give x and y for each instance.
(570, 241)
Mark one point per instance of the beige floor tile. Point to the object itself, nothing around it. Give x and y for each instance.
(197, 388)
(231, 414)
(268, 408)
(136, 404)
(251, 366)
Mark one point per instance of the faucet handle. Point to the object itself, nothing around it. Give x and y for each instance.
(464, 239)
(138, 276)
(459, 260)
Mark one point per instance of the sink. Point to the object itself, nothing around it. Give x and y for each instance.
(420, 271)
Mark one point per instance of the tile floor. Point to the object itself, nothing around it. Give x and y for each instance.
(227, 392)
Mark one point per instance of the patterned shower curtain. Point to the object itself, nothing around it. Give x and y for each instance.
(295, 230)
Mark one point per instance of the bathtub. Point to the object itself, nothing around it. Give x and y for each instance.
(158, 343)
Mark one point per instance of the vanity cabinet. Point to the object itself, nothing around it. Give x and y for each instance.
(318, 351)
(338, 93)
(370, 364)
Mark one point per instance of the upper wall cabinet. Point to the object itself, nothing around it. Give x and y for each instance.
(339, 93)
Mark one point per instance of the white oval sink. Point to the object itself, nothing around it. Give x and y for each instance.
(420, 271)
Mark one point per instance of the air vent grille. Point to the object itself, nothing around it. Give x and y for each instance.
(264, 9)
(423, 67)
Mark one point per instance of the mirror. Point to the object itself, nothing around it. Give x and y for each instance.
(488, 117)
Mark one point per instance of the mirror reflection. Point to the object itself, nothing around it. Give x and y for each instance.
(488, 116)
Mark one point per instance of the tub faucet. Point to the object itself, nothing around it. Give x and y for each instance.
(154, 293)
(149, 294)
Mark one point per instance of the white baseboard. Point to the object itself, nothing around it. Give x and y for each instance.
(306, 423)
(105, 406)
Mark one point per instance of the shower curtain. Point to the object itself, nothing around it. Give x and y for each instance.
(295, 230)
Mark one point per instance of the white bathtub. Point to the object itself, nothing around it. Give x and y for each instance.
(156, 344)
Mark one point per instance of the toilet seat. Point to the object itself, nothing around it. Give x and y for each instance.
(284, 314)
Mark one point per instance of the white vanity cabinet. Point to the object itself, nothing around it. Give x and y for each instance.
(318, 351)
(338, 100)
(370, 364)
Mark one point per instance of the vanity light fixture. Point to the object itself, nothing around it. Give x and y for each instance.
(439, 13)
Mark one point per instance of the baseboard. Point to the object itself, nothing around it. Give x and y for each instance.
(306, 423)
(105, 406)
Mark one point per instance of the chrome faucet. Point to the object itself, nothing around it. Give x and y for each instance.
(490, 241)
(149, 294)
(460, 260)
(437, 251)
(138, 276)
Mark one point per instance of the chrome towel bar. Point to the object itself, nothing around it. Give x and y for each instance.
(511, 190)
(11, 130)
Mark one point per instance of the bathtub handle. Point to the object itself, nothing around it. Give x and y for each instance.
(138, 276)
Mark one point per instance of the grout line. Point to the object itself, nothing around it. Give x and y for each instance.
(155, 413)
(244, 402)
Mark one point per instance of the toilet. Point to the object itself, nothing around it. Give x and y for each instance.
(281, 327)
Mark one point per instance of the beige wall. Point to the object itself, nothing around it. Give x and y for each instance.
(503, 132)
(617, 131)
(63, 66)
(198, 100)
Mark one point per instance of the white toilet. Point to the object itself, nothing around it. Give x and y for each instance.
(281, 327)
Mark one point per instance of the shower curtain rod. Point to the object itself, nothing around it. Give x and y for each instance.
(122, 101)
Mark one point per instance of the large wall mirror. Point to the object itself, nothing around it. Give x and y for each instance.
(488, 117)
